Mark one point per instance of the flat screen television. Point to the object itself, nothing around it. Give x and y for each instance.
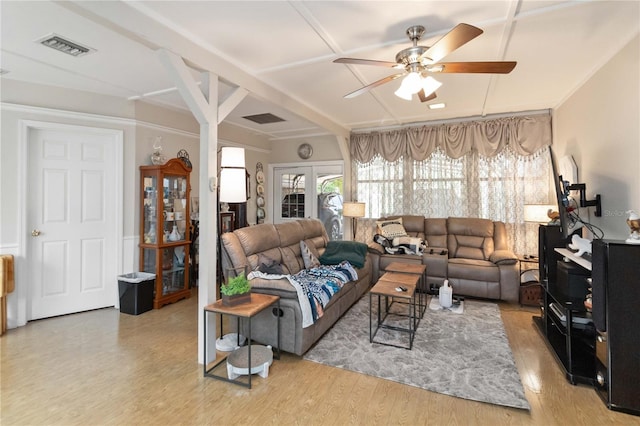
(563, 201)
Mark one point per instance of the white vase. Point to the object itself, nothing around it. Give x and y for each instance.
(175, 235)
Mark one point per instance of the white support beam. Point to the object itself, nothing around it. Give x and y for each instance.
(203, 102)
(230, 103)
(191, 94)
(208, 236)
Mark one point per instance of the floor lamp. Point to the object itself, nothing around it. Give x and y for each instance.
(233, 189)
(353, 210)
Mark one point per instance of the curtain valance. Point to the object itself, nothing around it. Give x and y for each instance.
(524, 135)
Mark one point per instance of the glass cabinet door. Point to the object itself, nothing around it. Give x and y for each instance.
(175, 220)
(173, 267)
(150, 214)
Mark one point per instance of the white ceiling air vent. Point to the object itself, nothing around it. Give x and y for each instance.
(67, 46)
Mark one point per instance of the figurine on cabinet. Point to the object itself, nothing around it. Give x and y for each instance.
(157, 158)
(633, 221)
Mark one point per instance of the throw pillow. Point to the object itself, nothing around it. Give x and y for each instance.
(391, 228)
(310, 260)
(268, 265)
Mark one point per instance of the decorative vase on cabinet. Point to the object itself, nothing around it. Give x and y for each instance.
(165, 193)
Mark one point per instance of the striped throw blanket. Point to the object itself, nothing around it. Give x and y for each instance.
(316, 287)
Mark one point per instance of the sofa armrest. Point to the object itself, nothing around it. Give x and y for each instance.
(375, 248)
(503, 257)
(278, 287)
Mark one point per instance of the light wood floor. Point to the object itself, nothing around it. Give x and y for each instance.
(103, 367)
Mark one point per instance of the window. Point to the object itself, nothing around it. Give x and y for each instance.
(495, 188)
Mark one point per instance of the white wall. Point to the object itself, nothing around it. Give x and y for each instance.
(599, 125)
(140, 123)
(325, 148)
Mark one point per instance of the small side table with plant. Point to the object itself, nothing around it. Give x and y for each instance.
(245, 311)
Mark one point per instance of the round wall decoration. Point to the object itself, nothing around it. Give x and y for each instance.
(184, 156)
(305, 151)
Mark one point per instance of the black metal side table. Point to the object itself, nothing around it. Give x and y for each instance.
(530, 290)
(259, 302)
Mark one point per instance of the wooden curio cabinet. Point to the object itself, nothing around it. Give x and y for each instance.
(164, 229)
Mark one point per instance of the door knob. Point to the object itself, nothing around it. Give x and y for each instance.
(35, 233)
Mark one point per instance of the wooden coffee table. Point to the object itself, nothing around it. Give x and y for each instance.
(416, 269)
(386, 288)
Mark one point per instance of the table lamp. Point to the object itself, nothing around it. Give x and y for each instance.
(538, 213)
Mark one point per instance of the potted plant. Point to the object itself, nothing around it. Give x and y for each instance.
(236, 291)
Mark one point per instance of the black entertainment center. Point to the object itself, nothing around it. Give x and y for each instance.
(598, 346)
(564, 321)
(602, 347)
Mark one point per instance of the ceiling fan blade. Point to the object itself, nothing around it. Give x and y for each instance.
(365, 62)
(459, 35)
(372, 85)
(474, 67)
(424, 98)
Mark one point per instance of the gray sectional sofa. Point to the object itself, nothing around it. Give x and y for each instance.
(280, 243)
(471, 253)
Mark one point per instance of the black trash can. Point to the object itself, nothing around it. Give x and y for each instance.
(136, 292)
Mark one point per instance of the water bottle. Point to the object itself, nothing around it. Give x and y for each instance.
(445, 296)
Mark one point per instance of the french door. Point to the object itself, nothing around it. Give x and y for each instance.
(310, 192)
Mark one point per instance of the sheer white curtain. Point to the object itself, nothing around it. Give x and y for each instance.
(473, 185)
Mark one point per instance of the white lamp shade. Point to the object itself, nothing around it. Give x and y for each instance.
(538, 212)
(430, 85)
(412, 82)
(233, 181)
(353, 209)
(232, 157)
(233, 185)
(403, 93)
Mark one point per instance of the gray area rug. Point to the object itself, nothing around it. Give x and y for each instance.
(463, 355)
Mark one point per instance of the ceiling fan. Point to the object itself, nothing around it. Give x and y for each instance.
(419, 61)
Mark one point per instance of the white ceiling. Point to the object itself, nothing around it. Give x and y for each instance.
(281, 52)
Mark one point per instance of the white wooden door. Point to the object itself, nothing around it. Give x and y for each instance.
(72, 264)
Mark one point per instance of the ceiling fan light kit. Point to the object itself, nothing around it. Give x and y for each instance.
(419, 60)
(414, 82)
